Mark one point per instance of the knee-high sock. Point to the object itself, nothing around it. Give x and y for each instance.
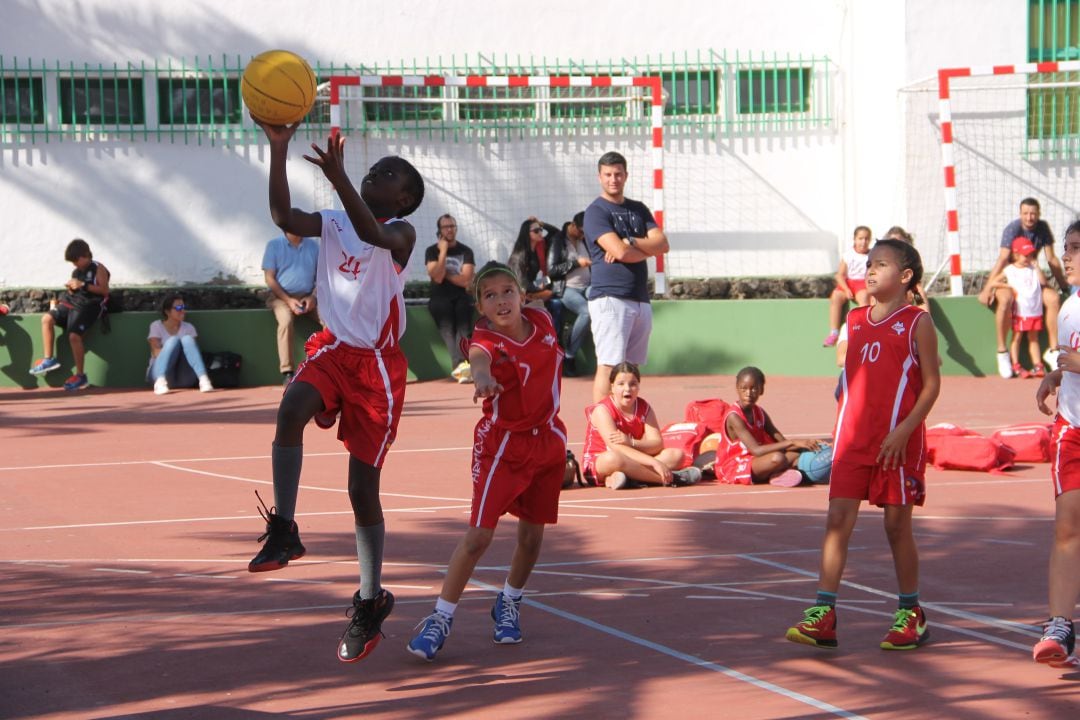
(285, 463)
(369, 553)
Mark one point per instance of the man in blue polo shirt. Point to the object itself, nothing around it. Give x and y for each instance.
(289, 267)
(1030, 226)
(621, 235)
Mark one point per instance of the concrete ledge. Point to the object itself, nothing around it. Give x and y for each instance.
(689, 337)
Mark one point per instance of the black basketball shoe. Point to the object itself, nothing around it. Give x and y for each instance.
(365, 626)
(282, 542)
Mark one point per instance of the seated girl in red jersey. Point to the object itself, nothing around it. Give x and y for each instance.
(623, 443)
(751, 449)
(519, 450)
(889, 384)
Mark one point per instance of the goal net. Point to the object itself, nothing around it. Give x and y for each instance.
(977, 142)
(496, 150)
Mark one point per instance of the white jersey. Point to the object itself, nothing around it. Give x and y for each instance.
(1068, 399)
(856, 264)
(359, 286)
(1025, 282)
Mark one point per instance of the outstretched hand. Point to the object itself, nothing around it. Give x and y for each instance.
(277, 133)
(332, 160)
(1047, 387)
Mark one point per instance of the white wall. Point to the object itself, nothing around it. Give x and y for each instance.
(159, 211)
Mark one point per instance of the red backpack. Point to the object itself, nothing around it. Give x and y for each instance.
(1030, 442)
(951, 447)
(710, 412)
(685, 436)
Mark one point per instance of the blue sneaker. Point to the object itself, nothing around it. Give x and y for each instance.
(432, 636)
(76, 382)
(506, 613)
(44, 365)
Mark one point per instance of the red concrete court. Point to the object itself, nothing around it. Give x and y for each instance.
(128, 521)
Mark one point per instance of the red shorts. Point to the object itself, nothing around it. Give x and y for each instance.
(856, 285)
(899, 486)
(366, 386)
(735, 470)
(520, 473)
(1023, 324)
(1064, 456)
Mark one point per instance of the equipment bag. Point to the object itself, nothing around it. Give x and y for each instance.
(1030, 442)
(951, 447)
(685, 436)
(223, 368)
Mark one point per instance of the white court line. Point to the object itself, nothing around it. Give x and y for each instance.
(298, 581)
(743, 522)
(719, 597)
(582, 515)
(608, 593)
(208, 577)
(689, 659)
(128, 571)
(1007, 542)
(664, 519)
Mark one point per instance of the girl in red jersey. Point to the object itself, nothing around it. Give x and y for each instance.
(751, 449)
(519, 450)
(623, 442)
(890, 381)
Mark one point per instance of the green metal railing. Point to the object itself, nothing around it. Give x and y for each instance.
(706, 93)
(1053, 112)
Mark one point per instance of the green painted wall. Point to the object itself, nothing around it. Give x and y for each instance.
(689, 337)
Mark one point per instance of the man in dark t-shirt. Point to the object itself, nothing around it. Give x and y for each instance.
(451, 265)
(621, 234)
(1029, 225)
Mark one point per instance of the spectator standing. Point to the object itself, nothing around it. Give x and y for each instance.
(620, 234)
(289, 268)
(451, 266)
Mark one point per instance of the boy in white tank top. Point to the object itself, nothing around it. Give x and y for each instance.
(354, 368)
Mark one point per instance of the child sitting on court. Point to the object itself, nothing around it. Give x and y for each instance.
(751, 450)
(850, 282)
(1027, 282)
(355, 366)
(519, 450)
(889, 384)
(623, 444)
(1058, 642)
(76, 311)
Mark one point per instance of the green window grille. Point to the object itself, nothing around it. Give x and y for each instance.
(517, 109)
(191, 100)
(690, 92)
(1053, 34)
(23, 100)
(101, 101)
(774, 90)
(378, 110)
(587, 102)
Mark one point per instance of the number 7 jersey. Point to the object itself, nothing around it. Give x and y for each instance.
(880, 383)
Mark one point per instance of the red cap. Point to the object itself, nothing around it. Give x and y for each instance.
(1023, 246)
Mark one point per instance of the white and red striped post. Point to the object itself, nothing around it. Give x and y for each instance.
(952, 216)
(656, 101)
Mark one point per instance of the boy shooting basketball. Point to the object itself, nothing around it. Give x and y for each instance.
(354, 367)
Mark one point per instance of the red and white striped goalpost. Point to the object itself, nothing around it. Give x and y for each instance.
(952, 216)
(555, 81)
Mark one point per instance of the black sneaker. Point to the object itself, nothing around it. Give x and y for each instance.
(282, 542)
(365, 626)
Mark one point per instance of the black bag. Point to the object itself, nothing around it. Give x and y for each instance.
(223, 368)
(573, 472)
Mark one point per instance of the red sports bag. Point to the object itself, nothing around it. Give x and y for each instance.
(1030, 442)
(685, 436)
(951, 447)
(710, 412)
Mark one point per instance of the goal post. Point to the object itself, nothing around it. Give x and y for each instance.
(1006, 132)
(497, 149)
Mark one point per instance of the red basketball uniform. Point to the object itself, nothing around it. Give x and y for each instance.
(519, 446)
(1065, 448)
(732, 458)
(880, 384)
(595, 444)
(356, 362)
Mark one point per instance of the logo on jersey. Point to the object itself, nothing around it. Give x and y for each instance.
(898, 327)
(856, 328)
(549, 340)
(337, 225)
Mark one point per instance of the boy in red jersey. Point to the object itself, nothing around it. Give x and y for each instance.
(1058, 642)
(889, 384)
(751, 449)
(519, 450)
(355, 366)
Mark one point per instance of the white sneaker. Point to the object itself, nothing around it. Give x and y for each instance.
(1004, 364)
(1051, 357)
(617, 481)
(161, 386)
(205, 385)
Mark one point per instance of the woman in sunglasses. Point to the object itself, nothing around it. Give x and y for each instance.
(529, 260)
(171, 339)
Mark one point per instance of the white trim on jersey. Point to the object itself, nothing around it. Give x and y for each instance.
(842, 411)
(900, 388)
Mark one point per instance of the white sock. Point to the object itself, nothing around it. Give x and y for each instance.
(445, 607)
(512, 592)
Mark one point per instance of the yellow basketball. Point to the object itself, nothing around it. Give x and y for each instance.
(278, 87)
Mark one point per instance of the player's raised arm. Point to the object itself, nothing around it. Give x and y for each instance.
(284, 215)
